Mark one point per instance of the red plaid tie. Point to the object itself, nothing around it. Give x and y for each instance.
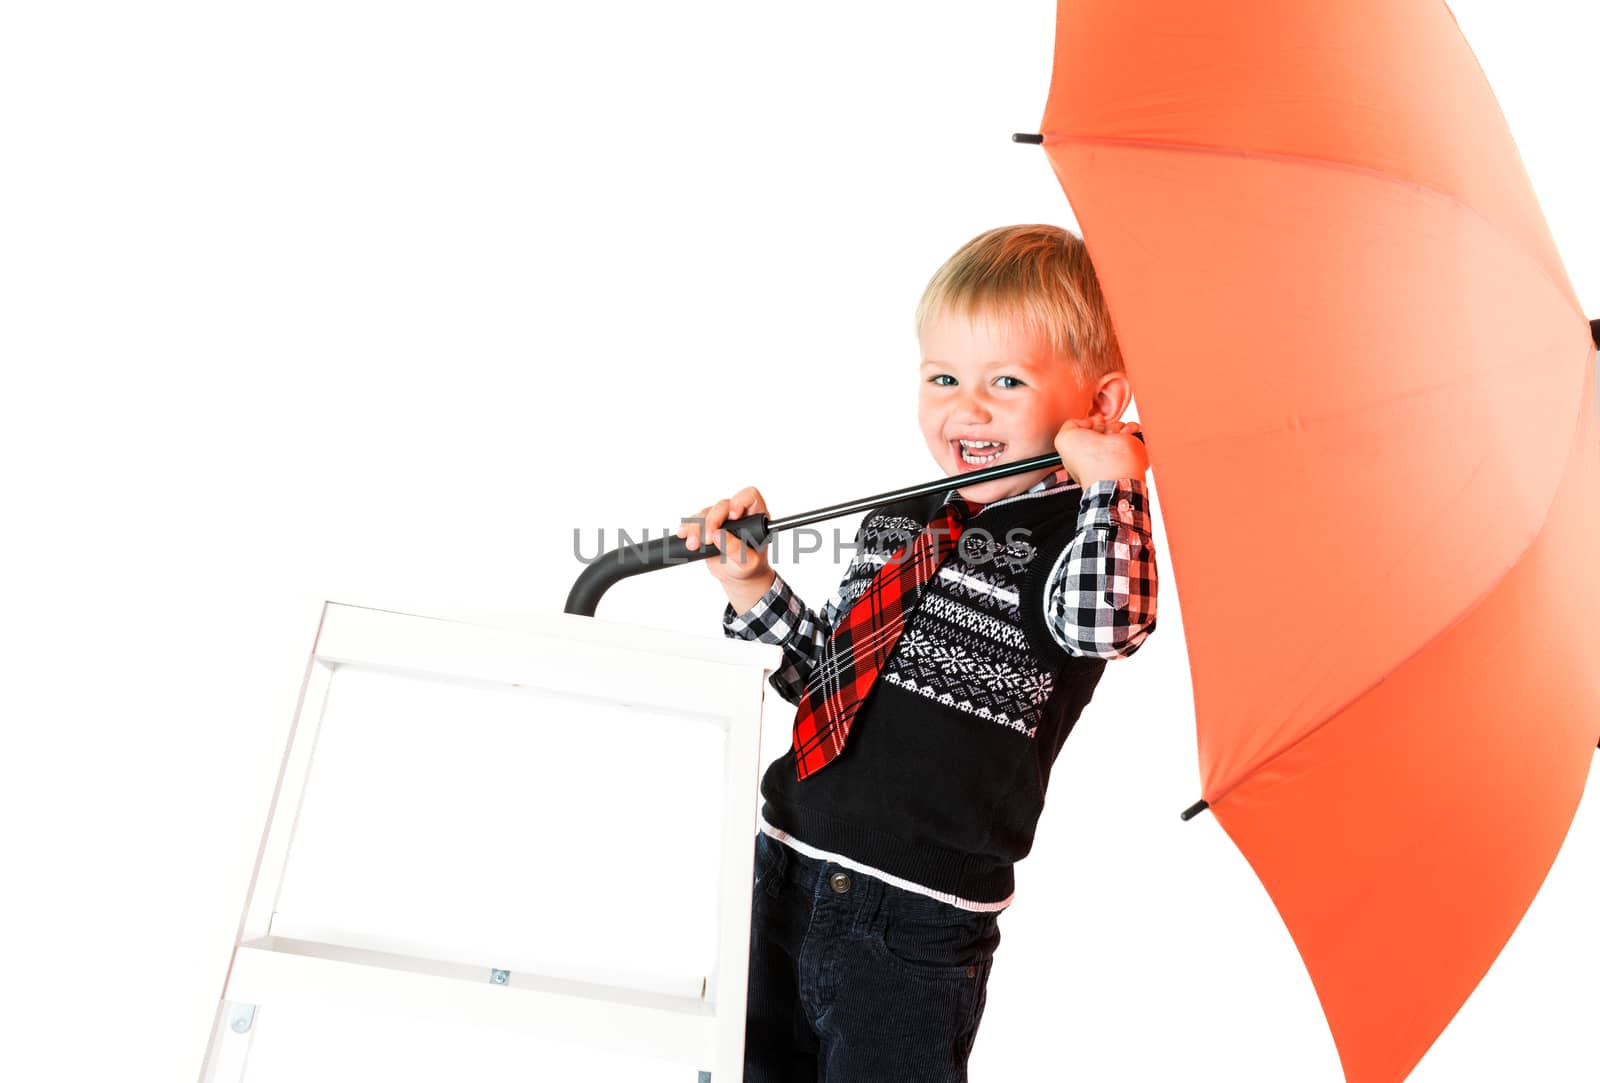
(865, 636)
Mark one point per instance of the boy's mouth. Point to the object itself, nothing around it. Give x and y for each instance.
(976, 454)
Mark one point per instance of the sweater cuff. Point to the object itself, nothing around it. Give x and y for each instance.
(1112, 502)
(769, 620)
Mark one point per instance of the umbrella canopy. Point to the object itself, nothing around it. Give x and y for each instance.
(1370, 399)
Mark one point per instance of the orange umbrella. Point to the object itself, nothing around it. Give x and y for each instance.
(1370, 398)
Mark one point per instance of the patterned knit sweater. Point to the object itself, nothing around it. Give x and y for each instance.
(943, 778)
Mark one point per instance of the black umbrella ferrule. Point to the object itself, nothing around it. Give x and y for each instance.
(1027, 137)
(1195, 809)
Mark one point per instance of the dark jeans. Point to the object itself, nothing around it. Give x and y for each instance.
(853, 980)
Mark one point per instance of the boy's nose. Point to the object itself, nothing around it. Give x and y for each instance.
(973, 410)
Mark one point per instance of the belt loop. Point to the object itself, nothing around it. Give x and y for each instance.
(870, 919)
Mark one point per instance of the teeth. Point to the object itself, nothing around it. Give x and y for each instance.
(970, 448)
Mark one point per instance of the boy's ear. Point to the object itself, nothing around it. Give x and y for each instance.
(1112, 395)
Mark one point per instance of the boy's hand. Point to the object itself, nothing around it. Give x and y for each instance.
(737, 563)
(1094, 449)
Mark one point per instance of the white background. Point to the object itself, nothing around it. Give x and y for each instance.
(383, 303)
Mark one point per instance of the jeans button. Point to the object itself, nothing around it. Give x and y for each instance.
(840, 882)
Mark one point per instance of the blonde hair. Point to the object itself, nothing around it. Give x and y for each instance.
(1038, 275)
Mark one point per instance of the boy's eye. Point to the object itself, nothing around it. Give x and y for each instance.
(942, 376)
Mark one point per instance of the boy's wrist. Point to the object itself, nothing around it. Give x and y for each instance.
(743, 594)
(1109, 472)
(772, 618)
(1110, 468)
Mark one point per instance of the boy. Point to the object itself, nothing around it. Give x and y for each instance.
(926, 731)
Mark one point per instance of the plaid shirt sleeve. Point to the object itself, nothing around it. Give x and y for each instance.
(1100, 599)
(779, 616)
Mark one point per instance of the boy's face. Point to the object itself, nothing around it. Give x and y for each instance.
(990, 379)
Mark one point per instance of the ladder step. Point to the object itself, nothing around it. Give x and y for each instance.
(341, 978)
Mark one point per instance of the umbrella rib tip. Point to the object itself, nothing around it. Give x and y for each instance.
(1027, 137)
(1194, 810)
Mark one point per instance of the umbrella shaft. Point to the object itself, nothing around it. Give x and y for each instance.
(1021, 466)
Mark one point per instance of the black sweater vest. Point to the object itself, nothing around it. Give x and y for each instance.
(943, 775)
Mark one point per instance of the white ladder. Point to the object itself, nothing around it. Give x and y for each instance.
(590, 670)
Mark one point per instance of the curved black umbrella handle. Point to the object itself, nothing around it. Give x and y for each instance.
(618, 564)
